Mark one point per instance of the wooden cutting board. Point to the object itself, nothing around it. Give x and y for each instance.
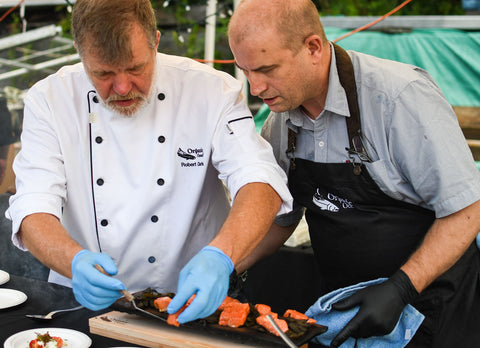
(147, 332)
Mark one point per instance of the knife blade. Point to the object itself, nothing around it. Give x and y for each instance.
(284, 337)
(129, 297)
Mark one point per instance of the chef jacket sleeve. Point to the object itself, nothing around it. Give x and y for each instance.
(275, 132)
(40, 175)
(239, 153)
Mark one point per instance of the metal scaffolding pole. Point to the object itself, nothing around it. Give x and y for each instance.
(41, 66)
(30, 36)
(211, 20)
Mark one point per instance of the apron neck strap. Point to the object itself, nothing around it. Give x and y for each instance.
(347, 80)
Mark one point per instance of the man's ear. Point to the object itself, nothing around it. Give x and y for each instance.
(158, 39)
(314, 45)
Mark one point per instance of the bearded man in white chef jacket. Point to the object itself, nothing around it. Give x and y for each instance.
(122, 165)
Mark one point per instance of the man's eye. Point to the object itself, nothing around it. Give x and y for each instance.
(102, 74)
(267, 69)
(137, 70)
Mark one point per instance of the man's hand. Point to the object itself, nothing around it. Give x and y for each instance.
(207, 276)
(92, 288)
(380, 308)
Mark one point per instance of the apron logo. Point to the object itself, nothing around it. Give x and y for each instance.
(325, 203)
(190, 155)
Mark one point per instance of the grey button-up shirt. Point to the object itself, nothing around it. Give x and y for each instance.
(412, 134)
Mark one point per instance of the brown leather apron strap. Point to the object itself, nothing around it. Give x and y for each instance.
(347, 80)
(292, 138)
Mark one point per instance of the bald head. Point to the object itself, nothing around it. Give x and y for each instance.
(291, 20)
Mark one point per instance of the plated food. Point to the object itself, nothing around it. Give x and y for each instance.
(30, 338)
(237, 320)
(46, 341)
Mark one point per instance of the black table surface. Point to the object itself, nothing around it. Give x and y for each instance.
(43, 297)
(286, 279)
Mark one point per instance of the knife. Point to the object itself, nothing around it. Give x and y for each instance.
(129, 297)
(284, 337)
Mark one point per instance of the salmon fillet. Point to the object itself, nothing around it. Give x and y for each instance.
(263, 309)
(162, 303)
(227, 300)
(172, 318)
(263, 321)
(292, 313)
(234, 314)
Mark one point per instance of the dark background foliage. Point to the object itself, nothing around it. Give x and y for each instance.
(182, 23)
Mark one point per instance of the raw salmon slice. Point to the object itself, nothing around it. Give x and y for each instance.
(263, 321)
(263, 309)
(234, 314)
(227, 300)
(172, 318)
(162, 303)
(292, 313)
(190, 299)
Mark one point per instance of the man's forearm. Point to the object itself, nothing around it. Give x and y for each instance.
(275, 238)
(49, 242)
(446, 241)
(253, 210)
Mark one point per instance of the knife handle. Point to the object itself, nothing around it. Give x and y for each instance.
(124, 292)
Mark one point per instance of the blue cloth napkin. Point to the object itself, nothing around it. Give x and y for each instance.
(322, 312)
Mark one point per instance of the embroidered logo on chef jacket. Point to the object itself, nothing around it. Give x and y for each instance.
(331, 202)
(191, 155)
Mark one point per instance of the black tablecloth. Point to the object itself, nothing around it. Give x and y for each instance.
(44, 297)
(287, 279)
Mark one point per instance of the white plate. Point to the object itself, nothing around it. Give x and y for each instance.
(4, 277)
(71, 338)
(10, 298)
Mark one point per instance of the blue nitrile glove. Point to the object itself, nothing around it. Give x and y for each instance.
(206, 275)
(91, 288)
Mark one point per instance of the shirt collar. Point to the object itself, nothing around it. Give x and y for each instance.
(336, 101)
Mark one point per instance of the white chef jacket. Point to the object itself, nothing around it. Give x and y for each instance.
(151, 185)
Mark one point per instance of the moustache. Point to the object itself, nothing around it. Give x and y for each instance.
(129, 96)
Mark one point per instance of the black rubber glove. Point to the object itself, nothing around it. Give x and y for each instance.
(380, 308)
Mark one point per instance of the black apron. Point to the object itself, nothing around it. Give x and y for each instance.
(358, 233)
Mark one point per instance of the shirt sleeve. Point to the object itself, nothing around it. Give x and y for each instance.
(430, 150)
(292, 217)
(241, 155)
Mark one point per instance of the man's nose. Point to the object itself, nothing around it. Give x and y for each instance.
(257, 84)
(122, 84)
